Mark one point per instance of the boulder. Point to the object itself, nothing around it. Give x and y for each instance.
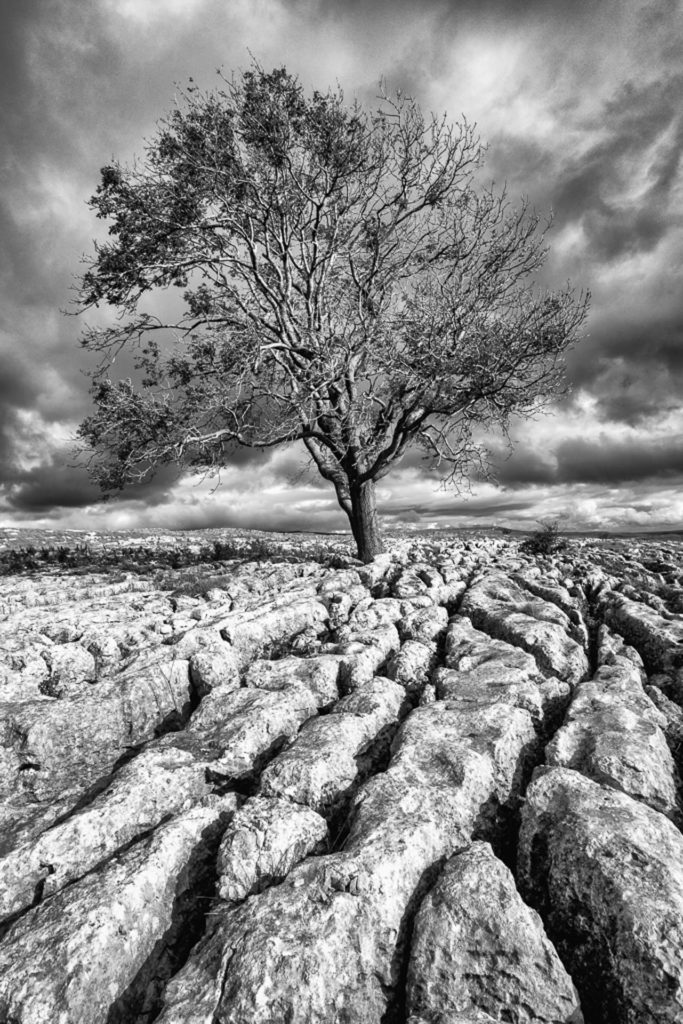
(331, 755)
(613, 733)
(82, 738)
(327, 943)
(110, 940)
(319, 674)
(477, 947)
(412, 666)
(606, 874)
(263, 842)
(504, 611)
(212, 667)
(271, 630)
(72, 670)
(239, 731)
(370, 614)
(658, 640)
(155, 785)
(426, 625)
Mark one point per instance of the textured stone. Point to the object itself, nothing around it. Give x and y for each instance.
(424, 625)
(477, 947)
(319, 674)
(484, 671)
(156, 784)
(75, 955)
(613, 734)
(364, 654)
(251, 636)
(326, 944)
(499, 607)
(72, 670)
(212, 667)
(412, 666)
(263, 842)
(81, 738)
(658, 640)
(239, 731)
(329, 756)
(606, 874)
(123, 709)
(421, 578)
(370, 615)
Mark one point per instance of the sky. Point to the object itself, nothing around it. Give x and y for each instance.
(581, 105)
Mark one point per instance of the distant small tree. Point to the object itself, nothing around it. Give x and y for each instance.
(344, 283)
(547, 540)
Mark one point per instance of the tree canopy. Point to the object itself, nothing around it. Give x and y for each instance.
(346, 283)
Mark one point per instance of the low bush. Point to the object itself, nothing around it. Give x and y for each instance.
(544, 541)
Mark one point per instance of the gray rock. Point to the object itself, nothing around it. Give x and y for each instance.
(371, 615)
(498, 607)
(75, 955)
(606, 874)
(658, 640)
(83, 737)
(477, 947)
(484, 671)
(212, 667)
(240, 731)
(252, 635)
(424, 625)
(319, 674)
(613, 734)
(326, 944)
(263, 842)
(331, 754)
(412, 666)
(673, 720)
(472, 1017)
(421, 578)
(155, 785)
(365, 654)
(72, 670)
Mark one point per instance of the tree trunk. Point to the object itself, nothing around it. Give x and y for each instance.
(364, 522)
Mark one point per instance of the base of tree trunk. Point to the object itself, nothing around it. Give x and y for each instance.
(364, 522)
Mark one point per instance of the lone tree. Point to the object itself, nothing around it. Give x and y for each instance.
(344, 284)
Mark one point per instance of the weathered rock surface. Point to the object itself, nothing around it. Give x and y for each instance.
(76, 957)
(606, 874)
(272, 792)
(319, 674)
(614, 734)
(145, 792)
(263, 842)
(499, 607)
(330, 754)
(240, 730)
(658, 640)
(79, 739)
(481, 671)
(477, 947)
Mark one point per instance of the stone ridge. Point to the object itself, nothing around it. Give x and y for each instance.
(444, 788)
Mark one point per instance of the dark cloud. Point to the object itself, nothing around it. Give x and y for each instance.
(634, 367)
(61, 485)
(502, 11)
(635, 120)
(603, 462)
(580, 461)
(475, 507)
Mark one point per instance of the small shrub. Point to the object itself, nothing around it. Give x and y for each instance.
(545, 541)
